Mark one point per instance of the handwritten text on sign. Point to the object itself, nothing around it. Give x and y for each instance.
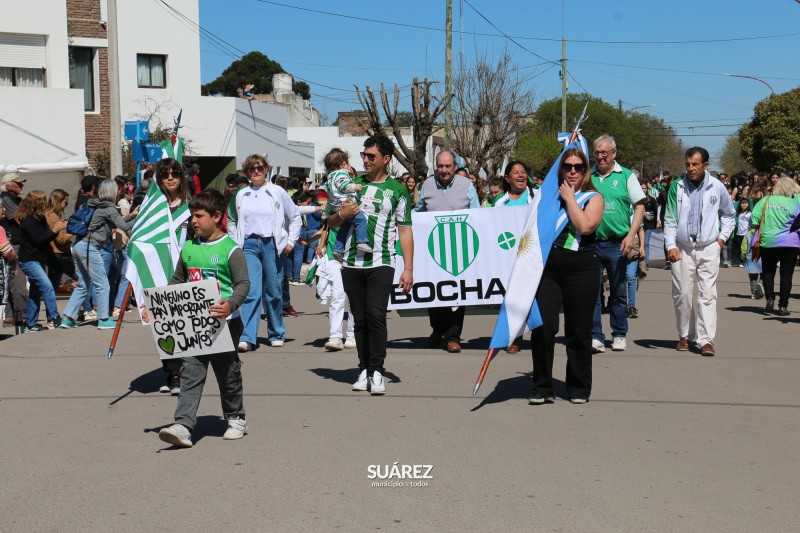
(182, 325)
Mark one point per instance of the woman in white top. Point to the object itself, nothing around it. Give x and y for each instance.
(265, 223)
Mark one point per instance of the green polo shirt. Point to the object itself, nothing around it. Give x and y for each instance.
(619, 190)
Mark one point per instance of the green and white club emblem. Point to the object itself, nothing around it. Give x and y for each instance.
(453, 244)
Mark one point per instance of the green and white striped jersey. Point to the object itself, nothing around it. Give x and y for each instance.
(386, 206)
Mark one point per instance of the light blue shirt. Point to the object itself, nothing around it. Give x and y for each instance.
(696, 211)
(472, 197)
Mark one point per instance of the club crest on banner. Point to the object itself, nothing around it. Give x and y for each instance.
(453, 244)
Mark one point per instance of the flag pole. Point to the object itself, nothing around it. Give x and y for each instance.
(486, 362)
(125, 301)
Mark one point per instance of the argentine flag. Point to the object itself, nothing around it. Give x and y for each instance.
(546, 219)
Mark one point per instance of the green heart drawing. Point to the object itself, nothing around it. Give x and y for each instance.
(167, 345)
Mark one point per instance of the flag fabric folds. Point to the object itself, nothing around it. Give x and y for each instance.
(155, 244)
(546, 219)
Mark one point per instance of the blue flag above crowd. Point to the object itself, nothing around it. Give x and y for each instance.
(546, 219)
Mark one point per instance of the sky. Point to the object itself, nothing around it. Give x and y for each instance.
(667, 56)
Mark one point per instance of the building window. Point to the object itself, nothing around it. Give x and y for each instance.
(81, 74)
(151, 71)
(21, 77)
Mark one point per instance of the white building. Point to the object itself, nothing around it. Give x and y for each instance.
(163, 75)
(41, 118)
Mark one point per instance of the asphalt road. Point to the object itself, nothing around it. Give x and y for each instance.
(669, 441)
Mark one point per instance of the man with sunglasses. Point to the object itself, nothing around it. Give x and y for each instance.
(447, 190)
(622, 193)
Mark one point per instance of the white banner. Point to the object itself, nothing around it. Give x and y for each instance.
(181, 323)
(461, 257)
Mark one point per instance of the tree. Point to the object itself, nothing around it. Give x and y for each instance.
(404, 120)
(423, 121)
(771, 140)
(491, 105)
(644, 142)
(257, 69)
(731, 159)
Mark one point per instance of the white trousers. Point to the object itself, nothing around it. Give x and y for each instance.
(336, 309)
(698, 264)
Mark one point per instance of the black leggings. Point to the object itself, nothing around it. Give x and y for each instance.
(770, 257)
(570, 278)
(368, 290)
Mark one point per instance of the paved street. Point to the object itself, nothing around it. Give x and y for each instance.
(669, 441)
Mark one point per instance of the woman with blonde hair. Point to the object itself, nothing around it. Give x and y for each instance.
(61, 259)
(35, 237)
(777, 221)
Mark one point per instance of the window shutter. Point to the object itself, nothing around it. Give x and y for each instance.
(23, 50)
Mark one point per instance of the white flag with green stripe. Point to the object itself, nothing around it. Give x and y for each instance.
(155, 244)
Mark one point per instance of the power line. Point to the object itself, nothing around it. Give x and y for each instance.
(589, 41)
(673, 70)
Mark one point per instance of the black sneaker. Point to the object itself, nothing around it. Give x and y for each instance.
(633, 312)
(668, 266)
(174, 384)
(35, 328)
(782, 311)
(81, 316)
(770, 307)
(536, 398)
(166, 386)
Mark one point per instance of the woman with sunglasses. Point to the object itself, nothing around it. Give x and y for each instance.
(569, 279)
(88, 261)
(265, 223)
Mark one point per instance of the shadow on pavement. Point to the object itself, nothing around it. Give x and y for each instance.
(654, 344)
(747, 309)
(742, 296)
(144, 384)
(418, 343)
(349, 375)
(784, 319)
(517, 388)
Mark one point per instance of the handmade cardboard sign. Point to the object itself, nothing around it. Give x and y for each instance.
(181, 323)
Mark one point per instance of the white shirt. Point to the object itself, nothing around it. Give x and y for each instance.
(255, 213)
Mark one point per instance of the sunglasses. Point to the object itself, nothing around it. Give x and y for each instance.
(257, 168)
(165, 174)
(370, 157)
(580, 167)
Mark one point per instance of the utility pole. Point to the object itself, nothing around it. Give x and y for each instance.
(448, 75)
(564, 84)
(113, 86)
(620, 106)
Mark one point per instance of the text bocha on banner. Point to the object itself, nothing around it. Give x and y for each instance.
(461, 257)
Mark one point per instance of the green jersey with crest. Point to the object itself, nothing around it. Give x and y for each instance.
(209, 260)
(386, 205)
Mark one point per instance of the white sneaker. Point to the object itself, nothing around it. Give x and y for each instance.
(598, 346)
(350, 342)
(377, 385)
(618, 344)
(237, 428)
(243, 347)
(363, 381)
(334, 344)
(177, 435)
(276, 344)
(91, 315)
(364, 247)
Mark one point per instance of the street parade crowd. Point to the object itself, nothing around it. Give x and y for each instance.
(347, 231)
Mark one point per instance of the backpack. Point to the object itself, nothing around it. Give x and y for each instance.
(78, 222)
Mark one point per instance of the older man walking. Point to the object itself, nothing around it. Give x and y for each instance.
(693, 236)
(446, 191)
(621, 191)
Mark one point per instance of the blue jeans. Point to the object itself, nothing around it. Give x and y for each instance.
(359, 223)
(265, 269)
(123, 281)
(615, 264)
(647, 234)
(40, 288)
(295, 257)
(630, 277)
(91, 272)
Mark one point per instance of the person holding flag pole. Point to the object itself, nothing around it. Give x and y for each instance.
(547, 219)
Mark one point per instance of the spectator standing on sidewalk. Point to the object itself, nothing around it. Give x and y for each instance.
(11, 195)
(694, 236)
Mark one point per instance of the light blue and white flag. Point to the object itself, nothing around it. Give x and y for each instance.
(547, 218)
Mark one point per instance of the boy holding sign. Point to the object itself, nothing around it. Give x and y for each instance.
(212, 254)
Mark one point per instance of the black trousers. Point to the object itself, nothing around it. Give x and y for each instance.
(368, 290)
(570, 278)
(770, 257)
(447, 322)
